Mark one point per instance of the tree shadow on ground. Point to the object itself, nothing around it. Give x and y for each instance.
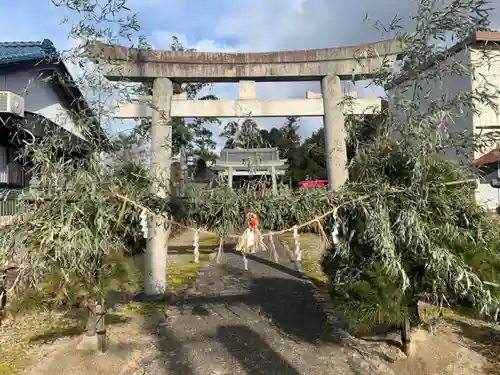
(52, 319)
(253, 352)
(174, 357)
(286, 302)
(189, 249)
(484, 339)
(375, 334)
(282, 267)
(291, 306)
(75, 325)
(118, 297)
(49, 336)
(286, 264)
(276, 292)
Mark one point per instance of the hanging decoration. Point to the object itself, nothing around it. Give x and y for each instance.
(251, 240)
(144, 224)
(273, 254)
(336, 226)
(297, 252)
(196, 245)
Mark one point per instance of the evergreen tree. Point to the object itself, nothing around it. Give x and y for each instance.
(244, 135)
(192, 135)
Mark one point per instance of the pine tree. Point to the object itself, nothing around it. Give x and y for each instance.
(191, 135)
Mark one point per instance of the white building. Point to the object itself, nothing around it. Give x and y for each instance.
(480, 52)
(37, 92)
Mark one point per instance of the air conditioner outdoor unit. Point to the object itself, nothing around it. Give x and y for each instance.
(11, 103)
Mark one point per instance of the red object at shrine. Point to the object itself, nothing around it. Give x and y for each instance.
(252, 220)
(312, 184)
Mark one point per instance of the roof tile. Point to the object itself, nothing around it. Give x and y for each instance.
(19, 52)
(39, 51)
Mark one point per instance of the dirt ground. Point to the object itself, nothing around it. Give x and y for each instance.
(460, 345)
(50, 342)
(127, 344)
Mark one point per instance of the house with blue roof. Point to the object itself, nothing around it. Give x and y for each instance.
(34, 73)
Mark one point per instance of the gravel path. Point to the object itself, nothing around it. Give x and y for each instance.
(261, 321)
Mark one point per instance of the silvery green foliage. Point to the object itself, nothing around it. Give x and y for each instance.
(73, 221)
(395, 211)
(416, 236)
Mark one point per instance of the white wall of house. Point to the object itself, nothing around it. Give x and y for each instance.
(487, 196)
(448, 87)
(487, 70)
(39, 97)
(451, 85)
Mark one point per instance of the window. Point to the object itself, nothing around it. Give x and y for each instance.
(12, 156)
(3, 165)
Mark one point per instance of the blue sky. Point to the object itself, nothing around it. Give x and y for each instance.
(228, 25)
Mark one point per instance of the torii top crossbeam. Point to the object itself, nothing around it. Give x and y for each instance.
(122, 63)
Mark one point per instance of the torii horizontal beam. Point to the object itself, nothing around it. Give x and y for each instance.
(182, 107)
(139, 65)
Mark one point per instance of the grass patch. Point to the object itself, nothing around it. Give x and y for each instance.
(13, 358)
(125, 277)
(428, 312)
(311, 256)
(52, 327)
(209, 240)
(310, 268)
(134, 309)
(179, 276)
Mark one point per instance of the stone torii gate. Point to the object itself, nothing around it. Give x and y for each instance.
(329, 65)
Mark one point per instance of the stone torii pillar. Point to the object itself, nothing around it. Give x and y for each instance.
(155, 259)
(335, 132)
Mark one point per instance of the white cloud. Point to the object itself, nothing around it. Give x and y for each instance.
(162, 39)
(273, 25)
(236, 26)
